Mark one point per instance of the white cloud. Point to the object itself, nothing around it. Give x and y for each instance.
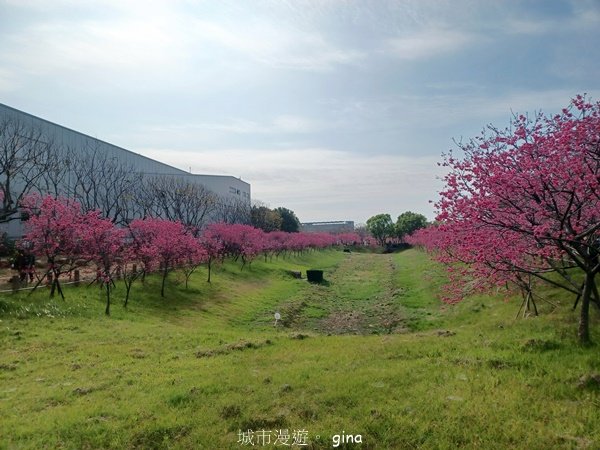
(8, 82)
(587, 14)
(446, 105)
(486, 108)
(428, 43)
(275, 45)
(322, 184)
(283, 124)
(136, 44)
(527, 26)
(297, 124)
(97, 52)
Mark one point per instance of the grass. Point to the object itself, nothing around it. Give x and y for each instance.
(370, 352)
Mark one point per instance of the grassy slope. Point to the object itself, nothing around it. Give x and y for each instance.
(383, 358)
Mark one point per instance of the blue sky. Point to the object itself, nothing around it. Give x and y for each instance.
(336, 109)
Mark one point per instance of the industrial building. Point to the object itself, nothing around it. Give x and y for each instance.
(335, 226)
(71, 143)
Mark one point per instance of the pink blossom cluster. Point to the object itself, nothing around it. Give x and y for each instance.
(523, 201)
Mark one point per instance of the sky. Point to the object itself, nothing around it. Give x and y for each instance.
(336, 109)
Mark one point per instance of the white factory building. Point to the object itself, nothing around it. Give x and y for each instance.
(332, 226)
(63, 139)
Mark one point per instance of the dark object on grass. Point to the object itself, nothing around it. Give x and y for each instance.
(591, 382)
(314, 276)
(393, 248)
(299, 336)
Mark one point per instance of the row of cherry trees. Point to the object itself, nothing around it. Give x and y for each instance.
(67, 236)
(523, 204)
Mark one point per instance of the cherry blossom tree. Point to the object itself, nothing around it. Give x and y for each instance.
(195, 255)
(239, 241)
(426, 238)
(55, 229)
(68, 237)
(160, 244)
(131, 255)
(212, 243)
(275, 242)
(252, 243)
(102, 243)
(317, 241)
(349, 238)
(526, 201)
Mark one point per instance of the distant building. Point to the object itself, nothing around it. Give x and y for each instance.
(340, 226)
(68, 145)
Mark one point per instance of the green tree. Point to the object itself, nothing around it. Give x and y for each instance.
(289, 221)
(408, 222)
(381, 227)
(265, 218)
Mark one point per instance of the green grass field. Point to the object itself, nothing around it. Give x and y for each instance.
(370, 352)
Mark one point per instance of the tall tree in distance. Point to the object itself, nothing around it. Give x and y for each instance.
(381, 227)
(265, 218)
(408, 222)
(289, 222)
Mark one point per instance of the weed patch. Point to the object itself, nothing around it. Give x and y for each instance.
(539, 345)
(236, 346)
(160, 437)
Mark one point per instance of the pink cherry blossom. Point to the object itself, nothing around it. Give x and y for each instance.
(524, 202)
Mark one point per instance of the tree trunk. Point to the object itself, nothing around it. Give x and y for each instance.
(127, 290)
(129, 279)
(584, 317)
(107, 311)
(164, 278)
(59, 288)
(40, 281)
(209, 266)
(596, 296)
(56, 287)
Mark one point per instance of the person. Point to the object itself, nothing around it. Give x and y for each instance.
(24, 263)
(30, 266)
(20, 265)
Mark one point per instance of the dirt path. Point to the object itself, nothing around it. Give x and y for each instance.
(359, 297)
